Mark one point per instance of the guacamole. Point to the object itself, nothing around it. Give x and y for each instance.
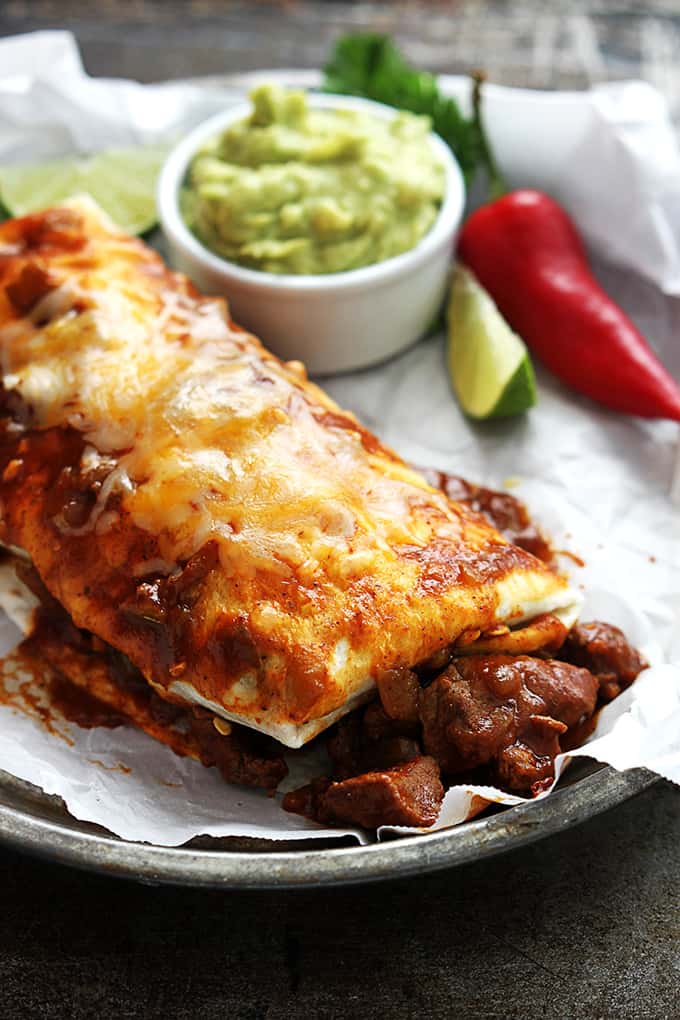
(296, 189)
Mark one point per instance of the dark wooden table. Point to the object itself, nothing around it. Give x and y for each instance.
(584, 925)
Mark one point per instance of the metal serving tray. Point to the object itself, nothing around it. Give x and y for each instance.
(39, 824)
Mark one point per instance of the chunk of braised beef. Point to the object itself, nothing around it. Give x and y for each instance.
(377, 725)
(390, 751)
(569, 693)
(605, 651)
(345, 745)
(182, 589)
(305, 800)
(506, 712)
(242, 756)
(407, 794)
(369, 739)
(464, 724)
(155, 597)
(528, 764)
(398, 690)
(164, 712)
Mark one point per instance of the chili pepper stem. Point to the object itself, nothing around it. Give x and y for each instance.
(497, 183)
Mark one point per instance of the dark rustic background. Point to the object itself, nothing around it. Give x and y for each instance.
(539, 43)
(584, 925)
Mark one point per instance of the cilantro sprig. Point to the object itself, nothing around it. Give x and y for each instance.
(370, 65)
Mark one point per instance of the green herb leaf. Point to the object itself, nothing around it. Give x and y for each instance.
(371, 66)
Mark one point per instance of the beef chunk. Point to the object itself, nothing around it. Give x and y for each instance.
(604, 650)
(398, 690)
(305, 800)
(391, 751)
(407, 794)
(507, 513)
(368, 739)
(529, 762)
(464, 723)
(378, 725)
(504, 711)
(242, 756)
(345, 745)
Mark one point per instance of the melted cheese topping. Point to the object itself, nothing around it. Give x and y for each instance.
(213, 438)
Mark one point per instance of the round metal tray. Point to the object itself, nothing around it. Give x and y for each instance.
(33, 822)
(39, 824)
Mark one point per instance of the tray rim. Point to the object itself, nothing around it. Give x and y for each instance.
(314, 868)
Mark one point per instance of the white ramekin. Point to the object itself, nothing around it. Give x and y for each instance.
(332, 322)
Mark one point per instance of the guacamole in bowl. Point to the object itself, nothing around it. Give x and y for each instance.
(298, 189)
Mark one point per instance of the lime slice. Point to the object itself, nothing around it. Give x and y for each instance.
(489, 365)
(121, 181)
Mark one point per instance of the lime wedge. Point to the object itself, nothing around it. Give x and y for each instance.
(121, 181)
(489, 366)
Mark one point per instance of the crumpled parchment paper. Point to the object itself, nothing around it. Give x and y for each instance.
(599, 483)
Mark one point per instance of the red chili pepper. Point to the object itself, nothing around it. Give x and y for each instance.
(526, 252)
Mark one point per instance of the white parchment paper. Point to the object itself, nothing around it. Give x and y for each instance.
(598, 482)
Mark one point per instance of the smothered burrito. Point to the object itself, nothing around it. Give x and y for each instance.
(207, 539)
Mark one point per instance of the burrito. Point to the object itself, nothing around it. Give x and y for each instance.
(208, 517)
